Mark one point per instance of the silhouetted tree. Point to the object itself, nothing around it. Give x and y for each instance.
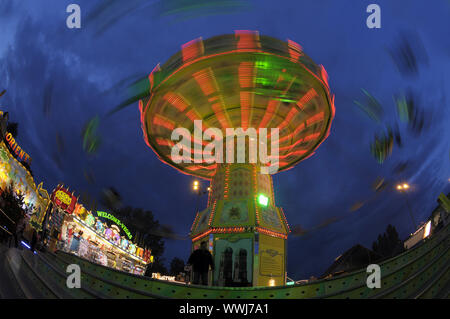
(158, 266)
(12, 205)
(388, 244)
(176, 266)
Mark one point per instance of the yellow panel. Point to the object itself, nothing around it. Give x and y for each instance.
(271, 260)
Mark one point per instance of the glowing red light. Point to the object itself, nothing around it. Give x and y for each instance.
(295, 50)
(192, 49)
(247, 39)
(306, 98)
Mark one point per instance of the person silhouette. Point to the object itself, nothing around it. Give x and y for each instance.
(201, 259)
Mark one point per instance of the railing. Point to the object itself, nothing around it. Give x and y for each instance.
(7, 216)
(2, 224)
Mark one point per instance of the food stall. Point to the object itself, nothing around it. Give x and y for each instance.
(87, 235)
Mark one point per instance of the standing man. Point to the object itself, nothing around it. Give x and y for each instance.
(149, 270)
(200, 260)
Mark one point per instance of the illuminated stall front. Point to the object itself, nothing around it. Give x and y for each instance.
(87, 235)
(14, 172)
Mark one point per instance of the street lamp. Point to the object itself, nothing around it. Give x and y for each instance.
(403, 188)
(195, 186)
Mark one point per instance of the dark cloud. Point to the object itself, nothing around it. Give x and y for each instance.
(106, 14)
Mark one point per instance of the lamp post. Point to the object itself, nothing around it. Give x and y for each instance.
(403, 188)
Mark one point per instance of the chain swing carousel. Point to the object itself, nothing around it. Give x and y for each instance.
(252, 82)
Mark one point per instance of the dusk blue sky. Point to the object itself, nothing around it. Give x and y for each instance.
(129, 38)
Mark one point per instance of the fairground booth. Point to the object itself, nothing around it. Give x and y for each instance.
(15, 172)
(98, 236)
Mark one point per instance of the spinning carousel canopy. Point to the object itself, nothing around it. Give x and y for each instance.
(240, 80)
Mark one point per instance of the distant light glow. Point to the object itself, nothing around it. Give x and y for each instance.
(403, 186)
(427, 229)
(272, 282)
(263, 200)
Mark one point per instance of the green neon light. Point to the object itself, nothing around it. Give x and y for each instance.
(115, 221)
(263, 81)
(263, 200)
(262, 65)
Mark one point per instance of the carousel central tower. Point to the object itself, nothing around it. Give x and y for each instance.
(241, 80)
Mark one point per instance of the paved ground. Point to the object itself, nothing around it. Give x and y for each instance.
(9, 287)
